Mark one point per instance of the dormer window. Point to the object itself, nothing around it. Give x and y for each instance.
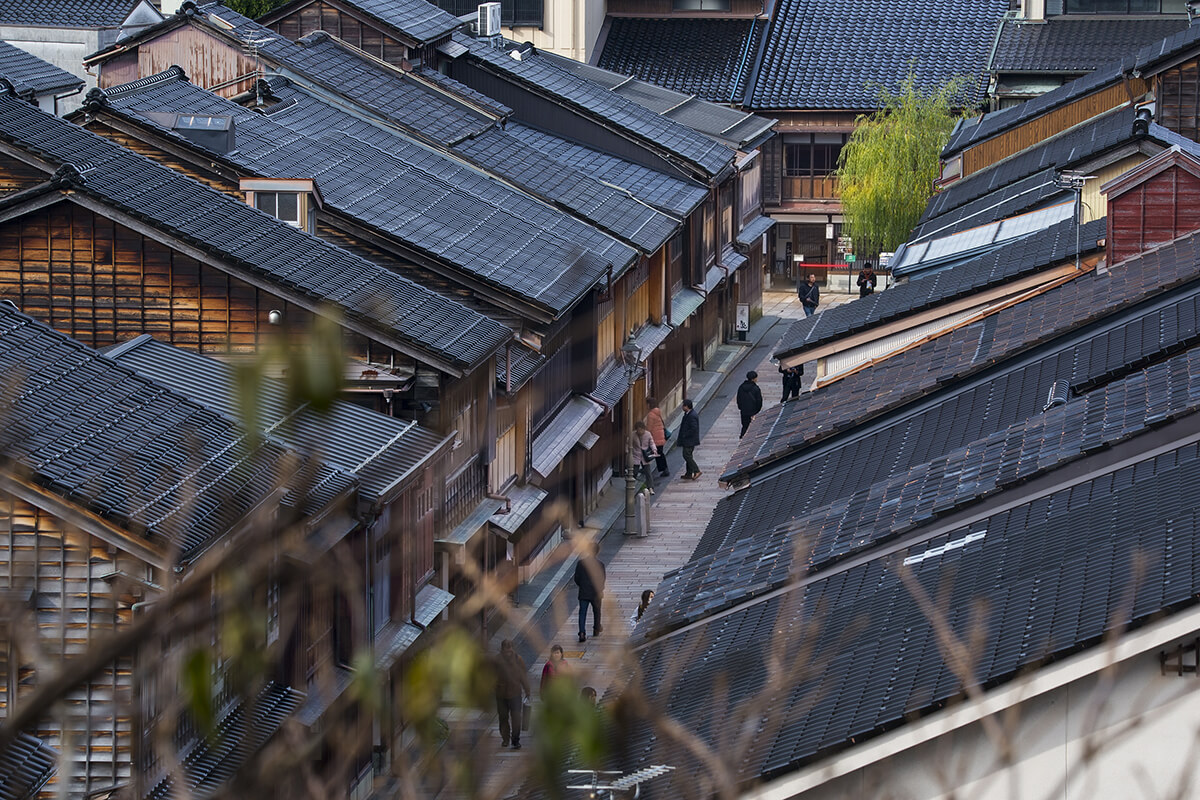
(292, 201)
(284, 206)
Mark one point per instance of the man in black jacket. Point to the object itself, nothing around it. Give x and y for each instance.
(689, 440)
(589, 577)
(810, 295)
(749, 400)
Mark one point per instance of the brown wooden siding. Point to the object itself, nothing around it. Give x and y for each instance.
(208, 62)
(63, 571)
(1162, 208)
(15, 176)
(320, 16)
(187, 167)
(819, 188)
(1054, 122)
(1178, 99)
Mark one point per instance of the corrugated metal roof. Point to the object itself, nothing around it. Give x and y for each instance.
(684, 303)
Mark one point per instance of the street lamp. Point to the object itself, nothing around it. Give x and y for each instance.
(631, 354)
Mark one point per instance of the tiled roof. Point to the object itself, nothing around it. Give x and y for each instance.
(1053, 245)
(497, 152)
(381, 451)
(414, 317)
(405, 98)
(1015, 198)
(26, 764)
(665, 192)
(211, 762)
(124, 447)
(525, 362)
(1031, 584)
(763, 558)
(942, 362)
(969, 132)
(416, 19)
(1084, 141)
(837, 53)
(432, 204)
(736, 129)
(546, 74)
(1013, 391)
(66, 13)
(28, 73)
(708, 58)
(1076, 44)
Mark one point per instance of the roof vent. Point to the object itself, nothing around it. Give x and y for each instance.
(488, 23)
(1193, 11)
(1060, 392)
(215, 133)
(521, 52)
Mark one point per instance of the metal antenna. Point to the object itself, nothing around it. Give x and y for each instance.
(1073, 181)
(622, 783)
(252, 49)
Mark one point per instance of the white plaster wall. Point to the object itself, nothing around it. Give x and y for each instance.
(1134, 734)
(62, 47)
(569, 29)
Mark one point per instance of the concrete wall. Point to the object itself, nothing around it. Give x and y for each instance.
(569, 28)
(62, 47)
(1129, 734)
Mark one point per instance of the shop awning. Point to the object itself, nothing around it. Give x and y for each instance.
(557, 438)
(753, 230)
(523, 501)
(684, 303)
(715, 275)
(732, 260)
(651, 336)
(466, 530)
(612, 384)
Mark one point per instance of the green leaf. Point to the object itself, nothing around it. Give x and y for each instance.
(197, 689)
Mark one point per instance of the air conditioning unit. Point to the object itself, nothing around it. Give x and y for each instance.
(488, 23)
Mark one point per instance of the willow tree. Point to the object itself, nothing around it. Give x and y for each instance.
(888, 167)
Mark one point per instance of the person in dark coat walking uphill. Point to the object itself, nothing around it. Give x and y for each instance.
(589, 577)
(689, 440)
(749, 400)
(511, 685)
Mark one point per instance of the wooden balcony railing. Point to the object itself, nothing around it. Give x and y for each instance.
(822, 188)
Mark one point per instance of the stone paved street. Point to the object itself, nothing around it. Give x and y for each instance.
(680, 512)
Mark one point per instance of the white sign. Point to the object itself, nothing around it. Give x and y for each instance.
(742, 322)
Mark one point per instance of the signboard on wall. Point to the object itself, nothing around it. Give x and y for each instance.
(742, 321)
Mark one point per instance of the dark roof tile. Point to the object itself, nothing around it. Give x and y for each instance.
(26, 764)
(837, 54)
(708, 58)
(781, 430)
(418, 19)
(28, 73)
(66, 13)
(124, 447)
(418, 318)
(1076, 44)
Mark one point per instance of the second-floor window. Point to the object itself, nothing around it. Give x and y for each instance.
(284, 206)
(809, 155)
(1125, 7)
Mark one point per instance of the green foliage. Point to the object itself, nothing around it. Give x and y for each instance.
(888, 168)
(198, 689)
(253, 8)
(567, 725)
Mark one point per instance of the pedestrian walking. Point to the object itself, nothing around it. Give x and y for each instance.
(640, 611)
(866, 280)
(749, 400)
(512, 686)
(689, 440)
(660, 434)
(792, 378)
(553, 668)
(589, 577)
(644, 453)
(810, 295)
